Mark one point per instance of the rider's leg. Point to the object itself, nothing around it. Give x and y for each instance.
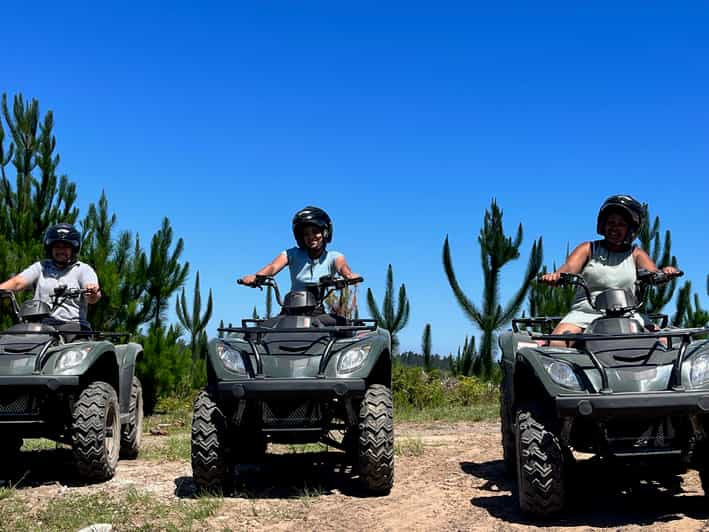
(565, 328)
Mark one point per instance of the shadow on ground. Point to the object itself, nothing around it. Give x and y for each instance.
(36, 468)
(599, 496)
(284, 476)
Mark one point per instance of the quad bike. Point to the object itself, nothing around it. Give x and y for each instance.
(296, 378)
(73, 386)
(618, 391)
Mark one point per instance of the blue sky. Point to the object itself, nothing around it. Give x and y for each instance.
(403, 120)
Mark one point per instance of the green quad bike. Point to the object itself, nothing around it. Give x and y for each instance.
(617, 392)
(74, 387)
(296, 378)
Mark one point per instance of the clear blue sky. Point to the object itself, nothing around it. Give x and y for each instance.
(403, 120)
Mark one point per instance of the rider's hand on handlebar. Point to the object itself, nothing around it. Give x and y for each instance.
(357, 278)
(671, 271)
(248, 280)
(549, 278)
(93, 293)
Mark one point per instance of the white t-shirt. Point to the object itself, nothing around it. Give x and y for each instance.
(45, 276)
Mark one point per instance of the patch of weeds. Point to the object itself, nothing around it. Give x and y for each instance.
(300, 448)
(171, 415)
(134, 510)
(199, 509)
(408, 447)
(175, 447)
(6, 493)
(476, 412)
(41, 444)
(309, 492)
(15, 513)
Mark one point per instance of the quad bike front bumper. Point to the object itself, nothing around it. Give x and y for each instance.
(633, 404)
(312, 388)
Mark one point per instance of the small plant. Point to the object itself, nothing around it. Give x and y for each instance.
(409, 447)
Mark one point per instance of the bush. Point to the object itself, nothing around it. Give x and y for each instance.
(415, 388)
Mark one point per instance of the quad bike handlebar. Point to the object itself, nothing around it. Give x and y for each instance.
(645, 278)
(323, 288)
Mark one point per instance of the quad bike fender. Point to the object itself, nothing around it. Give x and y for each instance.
(127, 355)
(531, 382)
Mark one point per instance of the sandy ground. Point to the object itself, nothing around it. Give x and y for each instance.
(455, 483)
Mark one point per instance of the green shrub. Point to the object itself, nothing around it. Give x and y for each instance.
(415, 388)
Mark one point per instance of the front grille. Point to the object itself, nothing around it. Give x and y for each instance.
(288, 414)
(628, 435)
(16, 405)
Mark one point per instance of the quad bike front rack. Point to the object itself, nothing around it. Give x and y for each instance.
(253, 335)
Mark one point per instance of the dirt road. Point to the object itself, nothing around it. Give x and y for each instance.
(448, 477)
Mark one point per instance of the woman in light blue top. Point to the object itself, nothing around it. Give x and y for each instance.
(609, 263)
(310, 260)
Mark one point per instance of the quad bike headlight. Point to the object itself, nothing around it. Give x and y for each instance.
(353, 358)
(562, 374)
(699, 373)
(231, 358)
(71, 358)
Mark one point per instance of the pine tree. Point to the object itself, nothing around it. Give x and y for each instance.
(195, 323)
(426, 347)
(165, 273)
(166, 366)
(550, 301)
(690, 314)
(393, 320)
(660, 252)
(343, 302)
(496, 250)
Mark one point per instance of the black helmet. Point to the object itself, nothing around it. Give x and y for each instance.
(62, 233)
(629, 206)
(311, 216)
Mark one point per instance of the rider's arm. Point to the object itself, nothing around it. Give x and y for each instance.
(275, 266)
(89, 281)
(343, 268)
(15, 284)
(643, 261)
(574, 263)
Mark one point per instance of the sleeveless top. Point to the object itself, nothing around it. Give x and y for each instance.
(305, 270)
(604, 269)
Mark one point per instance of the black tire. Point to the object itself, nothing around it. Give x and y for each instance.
(132, 432)
(96, 432)
(375, 449)
(509, 445)
(210, 457)
(541, 466)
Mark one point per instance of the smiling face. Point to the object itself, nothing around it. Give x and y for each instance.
(62, 252)
(313, 239)
(616, 229)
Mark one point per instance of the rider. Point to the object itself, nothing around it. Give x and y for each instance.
(608, 263)
(62, 243)
(310, 259)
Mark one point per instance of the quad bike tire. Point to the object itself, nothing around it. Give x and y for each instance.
(541, 466)
(375, 449)
(96, 432)
(132, 432)
(211, 468)
(509, 445)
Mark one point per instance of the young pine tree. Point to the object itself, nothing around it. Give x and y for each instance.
(496, 250)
